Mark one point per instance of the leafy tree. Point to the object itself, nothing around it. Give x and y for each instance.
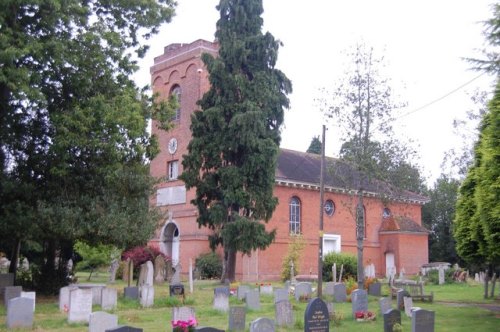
(437, 216)
(73, 125)
(235, 139)
(94, 257)
(315, 146)
(362, 105)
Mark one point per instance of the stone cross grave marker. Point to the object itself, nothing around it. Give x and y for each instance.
(359, 299)
(109, 298)
(176, 277)
(20, 313)
(283, 313)
(80, 305)
(422, 321)
(237, 317)
(391, 317)
(316, 318)
(253, 299)
(262, 324)
(339, 292)
(101, 321)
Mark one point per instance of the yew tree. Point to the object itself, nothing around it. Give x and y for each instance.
(232, 156)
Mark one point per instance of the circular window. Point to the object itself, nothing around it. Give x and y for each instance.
(386, 213)
(329, 207)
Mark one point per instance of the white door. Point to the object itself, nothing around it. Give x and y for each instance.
(390, 268)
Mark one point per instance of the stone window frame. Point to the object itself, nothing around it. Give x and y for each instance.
(173, 170)
(294, 213)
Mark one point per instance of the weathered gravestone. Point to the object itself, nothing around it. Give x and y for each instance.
(80, 305)
(385, 304)
(328, 290)
(375, 289)
(339, 292)
(253, 299)
(112, 270)
(147, 296)
(316, 318)
(441, 275)
(100, 321)
(124, 329)
(126, 271)
(64, 297)
(160, 272)
(183, 314)
(242, 291)
(283, 313)
(400, 298)
(177, 290)
(221, 299)
(20, 313)
(391, 317)
(30, 295)
(359, 299)
(303, 291)
(408, 302)
(109, 297)
(131, 292)
(6, 280)
(280, 294)
(262, 324)
(237, 317)
(146, 274)
(422, 321)
(11, 292)
(96, 290)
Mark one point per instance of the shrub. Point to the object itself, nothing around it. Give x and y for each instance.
(293, 254)
(348, 260)
(433, 276)
(209, 266)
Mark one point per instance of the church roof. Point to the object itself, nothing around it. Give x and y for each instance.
(401, 224)
(302, 169)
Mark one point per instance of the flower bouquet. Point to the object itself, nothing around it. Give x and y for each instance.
(184, 326)
(363, 316)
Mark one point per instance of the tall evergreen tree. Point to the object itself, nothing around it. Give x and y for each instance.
(315, 146)
(235, 138)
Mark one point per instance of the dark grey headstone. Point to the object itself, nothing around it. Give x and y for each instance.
(242, 291)
(253, 299)
(11, 292)
(6, 280)
(422, 321)
(385, 304)
(375, 289)
(207, 329)
(283, 313)
(237, 317)
(20, 312)
(176, 290)
(359, 299)
(262, 324)
(131, 292)
(391, 317)
(303, 290)
(124, 329)
(280, 294)
(316, 316)
(339, 292)
(100, 321)
(400, 298)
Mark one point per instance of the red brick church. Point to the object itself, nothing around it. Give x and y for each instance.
(394, 236)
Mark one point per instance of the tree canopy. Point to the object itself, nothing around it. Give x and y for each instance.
(315, 146)
(233, 152)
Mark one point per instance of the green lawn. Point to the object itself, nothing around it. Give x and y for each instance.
(465, 317)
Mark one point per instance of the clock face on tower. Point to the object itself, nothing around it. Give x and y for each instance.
(172, 145)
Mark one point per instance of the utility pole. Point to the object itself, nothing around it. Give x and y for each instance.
(321, 198)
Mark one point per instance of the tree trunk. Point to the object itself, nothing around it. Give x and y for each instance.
(486, 279)
(14, 257)
(493, 282)
(231, 266)
(360, 226)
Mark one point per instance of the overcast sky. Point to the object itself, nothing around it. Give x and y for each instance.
(424, 43)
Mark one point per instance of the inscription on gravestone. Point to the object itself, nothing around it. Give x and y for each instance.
(237, 317)
(316, 317)
(391, 317)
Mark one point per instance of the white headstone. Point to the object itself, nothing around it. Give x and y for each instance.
(19, 313)
(408, 301)
(109, 298)
(441, 275)
(80, 305)
(30, 295)
(101, 321)
(149, 273)
(147, 296)
(64, 298)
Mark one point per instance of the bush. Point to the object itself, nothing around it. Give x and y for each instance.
(293, 254)
(349, 261)
(209, 266)
(433, 276)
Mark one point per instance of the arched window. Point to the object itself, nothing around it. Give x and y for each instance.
(294, 216)
(177, 92)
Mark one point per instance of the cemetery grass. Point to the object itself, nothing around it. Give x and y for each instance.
(465, 316)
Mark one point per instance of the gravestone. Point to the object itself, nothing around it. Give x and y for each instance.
(112, 270)
(11, 292)
(329, 289)
(441, 275)
(385, 304)
(262, 324)
(221, 299)
(176, 290)
(339, 292)
(303, 290)
(242, 291)
(126, 272)
(64, 297)
(183, 313)
(359, 299)
(146, 274)
(124, 329)
(391, 317)
(316, 316)
(400, 298)
(147, 296)
(159, 267)
(253, 299)
(422, 320)
(131, 293)
(80, 305)
(6, 280)
(375, 289)
(408, 302)
(237, 317)
(20, 313)
(30, 295)
(207, 329)
(266, 289)
(96, 290)
(222, 290)
(280, 294)
(100, 321)
(109, 297)
(283, 313)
